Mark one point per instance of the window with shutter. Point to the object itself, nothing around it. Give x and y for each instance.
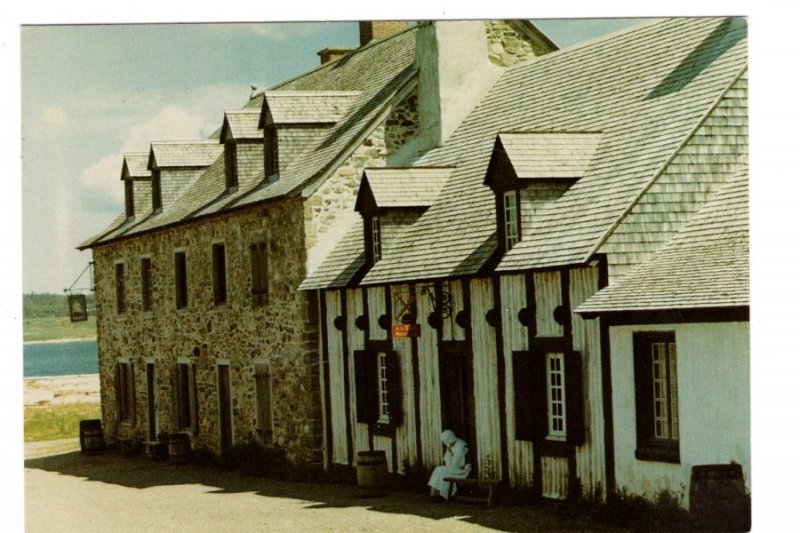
(147, 284)
(378, 389)
(126, 392)
(219, 274)
(181, 283)
(119, 282)
(259, 273)
(186, 397)
(231, 170)
(264, 424)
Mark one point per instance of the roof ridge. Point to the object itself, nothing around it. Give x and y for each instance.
(666, 164)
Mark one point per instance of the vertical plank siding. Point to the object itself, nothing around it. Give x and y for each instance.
(487, 409)
(355, 341)
(336, 375)
(430, 400)
(548, 297)
(450, 330)
(406, 434)
(377, 306)
(555, 477)
(513, 298)
(586, 339)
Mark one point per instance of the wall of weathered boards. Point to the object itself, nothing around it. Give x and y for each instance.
(487, 319)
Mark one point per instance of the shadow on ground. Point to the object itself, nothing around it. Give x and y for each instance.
(141, 473)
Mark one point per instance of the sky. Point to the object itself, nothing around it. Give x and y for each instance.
(90, 93)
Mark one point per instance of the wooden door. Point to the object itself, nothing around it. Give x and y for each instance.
(152, 408)
(456, 383)
(225, 419)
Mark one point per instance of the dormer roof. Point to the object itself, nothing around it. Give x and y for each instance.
(305, 107)
(241, 125)
(183, 154)
(545, 155)
(134, 166)
(408, 187)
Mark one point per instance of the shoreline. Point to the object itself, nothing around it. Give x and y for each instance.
(63, 376)
(56, 341)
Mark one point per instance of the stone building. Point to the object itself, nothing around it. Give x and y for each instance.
(201, 328)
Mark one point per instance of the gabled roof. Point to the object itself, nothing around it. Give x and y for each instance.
(376, 72)
(647, 89)
(345, 261)
(134, 165)
(402, 187)
(183, 154)
(241, 124)
(305, 107)
(547, 155)
(706, 265)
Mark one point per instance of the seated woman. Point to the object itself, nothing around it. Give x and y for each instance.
(455, 455)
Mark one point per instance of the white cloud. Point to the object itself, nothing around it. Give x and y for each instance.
(54, 117)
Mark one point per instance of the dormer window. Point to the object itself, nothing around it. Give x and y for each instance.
(129, 211)
(375, 230)
(270, 151)
(231, 170)
(511, 223)
(156, 189)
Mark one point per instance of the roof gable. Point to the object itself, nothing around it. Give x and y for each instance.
(134, 166)
(305, 107)
(400, 187)
(241, 124)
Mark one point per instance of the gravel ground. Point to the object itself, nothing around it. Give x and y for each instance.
(74, 492)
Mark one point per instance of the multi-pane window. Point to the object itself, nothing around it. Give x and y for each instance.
(126, 393)
(259, 272)
(556, 400)
(186, 396)
(510, 219)
(656, 377)
(220, 281)
(231, 170)
(383, 389)
(181, 282)
(147, 284)
(375, 227)
(156, 180)
(264, 426)
(119, 283)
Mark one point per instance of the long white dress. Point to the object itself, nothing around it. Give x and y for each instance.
(454, 466)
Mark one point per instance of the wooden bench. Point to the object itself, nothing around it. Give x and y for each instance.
(487, 484)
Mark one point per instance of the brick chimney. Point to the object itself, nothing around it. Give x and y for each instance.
(332, 54)
(372, 30)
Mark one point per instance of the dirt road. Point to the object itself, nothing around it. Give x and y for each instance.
(73, 492)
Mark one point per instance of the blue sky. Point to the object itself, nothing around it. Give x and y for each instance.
(92, 92)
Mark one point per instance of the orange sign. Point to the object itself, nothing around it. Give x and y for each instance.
(405, 330)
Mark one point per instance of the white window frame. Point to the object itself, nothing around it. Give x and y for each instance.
(664, 378)
(556, 396)
(383, 389)
(375, 224)
(510, 218)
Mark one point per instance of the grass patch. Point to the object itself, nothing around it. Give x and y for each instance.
(55, 422)
(55, 328)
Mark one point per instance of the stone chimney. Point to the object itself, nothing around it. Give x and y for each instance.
(372, 30)
(332, 54)
(454, 74)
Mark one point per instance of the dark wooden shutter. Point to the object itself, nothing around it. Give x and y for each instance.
(366, 387)
(131, 394)
(574, 382)
(193, 410)
(538, 381)
(524, 412)
(176, 402)
(395, 380)
(118, 390)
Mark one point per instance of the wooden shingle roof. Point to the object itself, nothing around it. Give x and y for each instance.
(406, 187)
(371, 76)
(183, 154)
(346, 260)
(646, 89)
(550, 154)
(241, 124)
(136, 165)
(706, 265)
(307, 107)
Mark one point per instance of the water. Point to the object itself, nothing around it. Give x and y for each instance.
(59, 358)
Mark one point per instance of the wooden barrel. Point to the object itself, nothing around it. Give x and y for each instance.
(718, 500)
(91, 436)
(371, 473)
(179, 448)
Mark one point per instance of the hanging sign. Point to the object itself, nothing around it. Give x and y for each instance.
(77, 308)
(405, 330)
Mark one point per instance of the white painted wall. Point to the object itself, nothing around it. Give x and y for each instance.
(713, 403)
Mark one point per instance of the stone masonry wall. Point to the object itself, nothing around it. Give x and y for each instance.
(284, 331)
(337, 195)
(402, 124)
(507, 46)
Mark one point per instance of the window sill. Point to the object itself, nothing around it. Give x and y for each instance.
(383, 430)
(659, 454)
